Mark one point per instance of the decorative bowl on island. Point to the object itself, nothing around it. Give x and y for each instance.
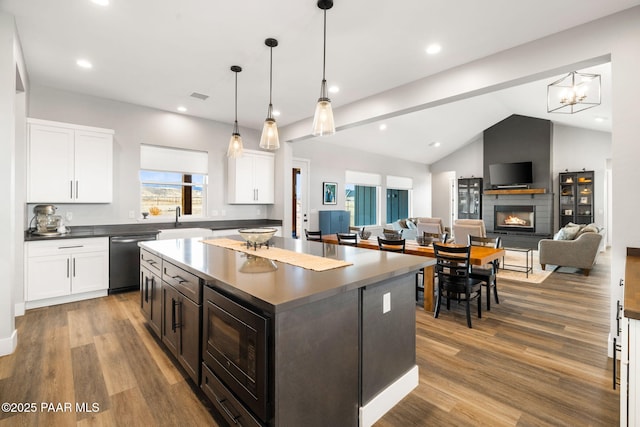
(257, 236)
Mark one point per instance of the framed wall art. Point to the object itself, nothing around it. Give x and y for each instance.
(329, 193)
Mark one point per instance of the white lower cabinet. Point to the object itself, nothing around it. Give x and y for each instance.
(65, 270)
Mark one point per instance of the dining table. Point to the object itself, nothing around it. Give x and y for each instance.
(480, 255)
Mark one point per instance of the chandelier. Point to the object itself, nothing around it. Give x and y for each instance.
(573, 92)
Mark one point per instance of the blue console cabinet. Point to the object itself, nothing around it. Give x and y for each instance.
(334, 221)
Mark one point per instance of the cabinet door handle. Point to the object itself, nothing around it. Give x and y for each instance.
(67, 267)
(71, 189)
(179, 279)
(74, 267)
(226, 410)
(146, 289)
(77, 192)
(175, 324)
(153, 282)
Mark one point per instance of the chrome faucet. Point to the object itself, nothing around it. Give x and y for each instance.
(177, 215)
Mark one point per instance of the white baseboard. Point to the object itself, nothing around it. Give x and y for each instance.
(65, 299)
(8, 345)
(388, 398)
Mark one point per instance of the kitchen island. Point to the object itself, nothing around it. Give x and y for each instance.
(340, 346)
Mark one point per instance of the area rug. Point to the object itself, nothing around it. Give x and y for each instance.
(517, 258)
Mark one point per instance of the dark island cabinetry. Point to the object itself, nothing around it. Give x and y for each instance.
(290, 346)
(151, 290)
(182, 317)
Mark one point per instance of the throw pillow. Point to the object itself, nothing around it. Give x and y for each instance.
(560, 235)
(411, 225)
(403, 223)
(571, 231)
(591, 228)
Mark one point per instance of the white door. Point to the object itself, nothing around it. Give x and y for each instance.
(89, 272)
(301, 196)
(93, 167)
(50, 164)
(48, 277)
(264, 171)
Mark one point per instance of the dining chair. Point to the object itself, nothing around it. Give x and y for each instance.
(453, 267)
(432, 237)
(487, 273)
(313, 235)
(463, 228)
(350, 239)
(395, 245)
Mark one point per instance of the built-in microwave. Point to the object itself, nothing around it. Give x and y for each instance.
(234, 347)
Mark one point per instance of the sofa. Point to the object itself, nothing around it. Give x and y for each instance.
(575, 245)
(412, 227)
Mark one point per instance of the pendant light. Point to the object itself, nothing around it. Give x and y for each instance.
(323, 117)
(235, 143)
(269, 139)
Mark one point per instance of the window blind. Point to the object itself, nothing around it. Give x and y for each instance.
(167, 159)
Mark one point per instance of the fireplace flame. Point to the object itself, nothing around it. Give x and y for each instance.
(514, 220)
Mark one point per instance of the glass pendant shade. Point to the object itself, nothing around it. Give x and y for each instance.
(235, 145)
(269, 139)
(323, 117)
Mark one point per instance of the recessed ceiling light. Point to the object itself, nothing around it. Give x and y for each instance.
(432, 49)
(182, 109)
(334, 89)
(383, 126)
(101, 2)
(276, 113)
(434, 144)
(83, 63)
(600, 119)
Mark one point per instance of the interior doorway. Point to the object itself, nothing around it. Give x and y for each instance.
(299, 192)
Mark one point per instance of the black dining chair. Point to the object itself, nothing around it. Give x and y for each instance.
(452, 268)
(432, 237)
(313, 235)
(349, 239)
(487, 273)
(391, 245)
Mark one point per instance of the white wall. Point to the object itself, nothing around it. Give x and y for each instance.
(329, 163)
(134, 125)
(12, 111)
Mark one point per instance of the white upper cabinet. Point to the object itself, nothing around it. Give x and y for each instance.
(251, 178)
(69, 163)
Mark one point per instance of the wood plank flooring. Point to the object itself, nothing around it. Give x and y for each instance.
(539, 358)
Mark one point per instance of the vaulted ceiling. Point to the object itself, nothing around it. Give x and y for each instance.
(156, 53)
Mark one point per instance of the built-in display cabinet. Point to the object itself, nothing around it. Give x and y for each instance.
(576, 197)
(59, 271)
(251, 178)
(470, 198)
(69, 163)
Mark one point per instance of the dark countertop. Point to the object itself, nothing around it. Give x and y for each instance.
(288, 286)
(632, 284)
(147, 228)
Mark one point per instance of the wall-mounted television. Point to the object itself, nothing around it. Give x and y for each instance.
(511, 174)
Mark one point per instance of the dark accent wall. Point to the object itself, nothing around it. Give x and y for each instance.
(520, 139)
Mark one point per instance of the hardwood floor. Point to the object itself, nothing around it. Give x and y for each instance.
(538, 358)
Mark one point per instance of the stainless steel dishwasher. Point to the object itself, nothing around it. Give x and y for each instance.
(124, 261)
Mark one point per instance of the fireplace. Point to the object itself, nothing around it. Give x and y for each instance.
(514, 218)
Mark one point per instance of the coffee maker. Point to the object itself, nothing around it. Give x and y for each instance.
(47, 222)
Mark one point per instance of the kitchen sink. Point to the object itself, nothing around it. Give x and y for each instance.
(183, 233)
